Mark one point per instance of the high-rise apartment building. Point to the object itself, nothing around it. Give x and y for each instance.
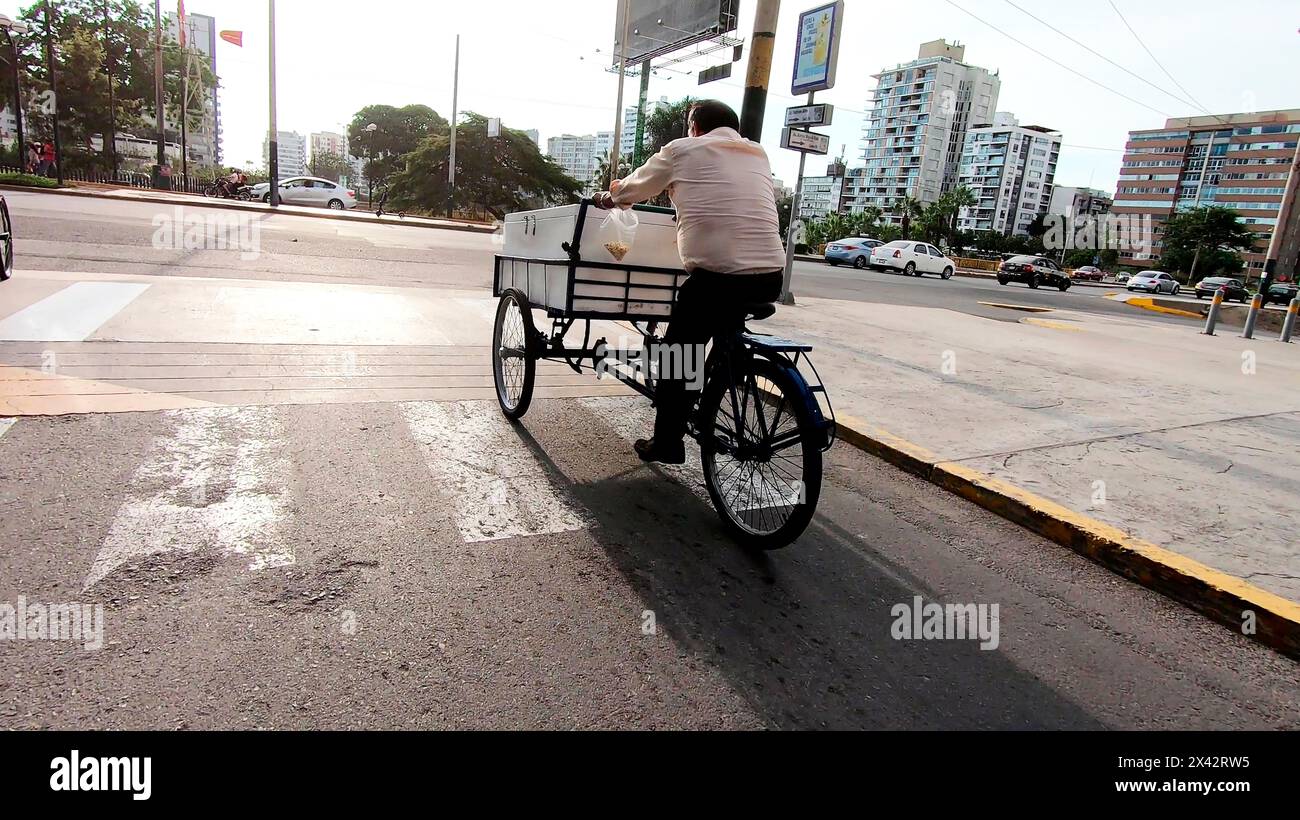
(1011, 169)
(627, 140)
(1238, 161)
(291, 152)
(823, 195)
(1078, 202)
(916, 128)
(328, 142)
(580, 156)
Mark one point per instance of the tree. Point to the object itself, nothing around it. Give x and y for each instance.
(497, 175)
(666, 124)
(953, 201)
(908, 208)
(601, 179)
(1215, 233)
(328, 165)
(84, 50)
(398, 132)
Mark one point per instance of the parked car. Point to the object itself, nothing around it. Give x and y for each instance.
(1154, 281)
(1033, 271)
(855, 251)
(309, 191)
(1282, 293)
(1122, 278)
(1088, 273)
(1233, 287)
(912, 258)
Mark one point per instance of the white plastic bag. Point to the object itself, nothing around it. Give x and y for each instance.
(617, 233)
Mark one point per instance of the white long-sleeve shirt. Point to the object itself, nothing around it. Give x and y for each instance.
(721, 186)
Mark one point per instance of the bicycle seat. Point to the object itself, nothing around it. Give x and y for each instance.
(757, 310)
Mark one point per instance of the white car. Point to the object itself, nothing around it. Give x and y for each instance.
(912, 258)
(309, 191)
(1154, 281)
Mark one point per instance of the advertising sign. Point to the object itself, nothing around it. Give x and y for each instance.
(818, 49)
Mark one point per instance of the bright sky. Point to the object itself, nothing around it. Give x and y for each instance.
(534, 64)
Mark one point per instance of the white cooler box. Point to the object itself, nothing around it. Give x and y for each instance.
(537, 261)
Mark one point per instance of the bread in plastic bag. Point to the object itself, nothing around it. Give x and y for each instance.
(617, 233)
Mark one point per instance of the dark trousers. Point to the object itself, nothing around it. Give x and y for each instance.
(707, 304)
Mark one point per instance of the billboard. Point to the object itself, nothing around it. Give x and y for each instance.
(660, 27)
(818, 48)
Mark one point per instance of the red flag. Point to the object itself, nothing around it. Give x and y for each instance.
(235, 38)
(180, 16)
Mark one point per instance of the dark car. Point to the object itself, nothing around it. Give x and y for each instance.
(1088, 273)
(1033, 271)
(1282, 293)
(1233, 289)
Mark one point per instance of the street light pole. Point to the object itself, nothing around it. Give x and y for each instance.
(158, 92)
(112, 107)
(451, 154)
(273, 141)
(370, 167)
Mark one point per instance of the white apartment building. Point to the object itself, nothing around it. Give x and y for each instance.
(823, 195)
(328, 142)
(291, 153)
(1075, 202)
(916, 126)
(1011, 168)
(580, 156)
(627, 141)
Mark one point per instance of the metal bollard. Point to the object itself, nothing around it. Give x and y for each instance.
(1289, 324)
(1212, 318)
(1256, 305)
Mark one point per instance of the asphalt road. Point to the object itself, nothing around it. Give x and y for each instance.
(67, 234)
(428, 565)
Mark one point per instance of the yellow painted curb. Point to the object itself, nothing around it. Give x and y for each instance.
(1048, 323)
(1025, 308)
(1224, 598)
(1149, 304)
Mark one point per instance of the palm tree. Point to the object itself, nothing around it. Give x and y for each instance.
(956, 199)
(908, 208)
(601, 179)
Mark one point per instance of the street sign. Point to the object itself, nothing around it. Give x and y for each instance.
(817, 50)
(719, 72)
(494, 127)
(820, 114)
(809, 142)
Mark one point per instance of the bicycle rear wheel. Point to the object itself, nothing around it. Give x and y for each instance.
(514, 369)
(760, 452)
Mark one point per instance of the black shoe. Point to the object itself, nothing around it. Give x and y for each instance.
(667, 454)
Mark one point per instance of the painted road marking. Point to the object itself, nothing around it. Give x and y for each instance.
(1053, 325)
(5, 424)
(497, 485)
(216, 482)
(1026, 308)
(71, 314)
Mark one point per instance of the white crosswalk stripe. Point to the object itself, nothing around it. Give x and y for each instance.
(219, 481)
(499, 488)
(71, 314)
(5, 424)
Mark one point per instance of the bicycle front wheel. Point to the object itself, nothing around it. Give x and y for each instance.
(760, 452)
(514, 369)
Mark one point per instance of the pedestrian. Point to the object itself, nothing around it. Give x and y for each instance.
(33, 158)
(48, 160)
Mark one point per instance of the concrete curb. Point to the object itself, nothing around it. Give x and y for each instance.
(1219, 596)
(258, 208)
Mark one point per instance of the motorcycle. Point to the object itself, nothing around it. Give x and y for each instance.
(225, 189)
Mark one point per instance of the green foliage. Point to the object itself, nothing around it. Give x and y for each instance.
(328, 165)
(666, 124)
(601, 179)
(497, 175)
(398, 132)
(84, 48)
(28, 179)
(1215, 231)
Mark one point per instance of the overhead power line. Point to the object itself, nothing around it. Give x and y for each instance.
(1057, 62)
(1093, 51)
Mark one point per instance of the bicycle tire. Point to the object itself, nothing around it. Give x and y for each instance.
(514, 387)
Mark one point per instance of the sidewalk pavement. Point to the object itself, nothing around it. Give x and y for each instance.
(177, 198)
(1186, 441)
